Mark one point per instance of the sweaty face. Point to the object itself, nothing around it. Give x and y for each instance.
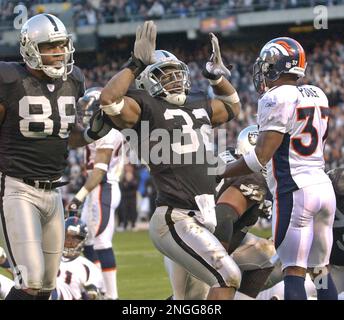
(53, 54)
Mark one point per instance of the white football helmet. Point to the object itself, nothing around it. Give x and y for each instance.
(168, 78)
(46, 28)
(246, 140)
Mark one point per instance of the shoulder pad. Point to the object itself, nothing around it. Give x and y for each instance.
(139, 95)
(77, 74)
(280, 95)
(337, 178)
(9, 72)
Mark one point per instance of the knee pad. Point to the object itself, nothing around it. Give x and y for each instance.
(225, 216)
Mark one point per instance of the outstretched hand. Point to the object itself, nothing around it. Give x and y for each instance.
(145, 42)
(215, 67)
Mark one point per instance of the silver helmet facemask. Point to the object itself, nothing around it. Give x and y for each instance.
(168, 78)
(46, 29)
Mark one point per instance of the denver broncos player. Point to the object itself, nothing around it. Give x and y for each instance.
(78, 278)
(102, 195)
(173, 127)
(293, 126)
(37, 123)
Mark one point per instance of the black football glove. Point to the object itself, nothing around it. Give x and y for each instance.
(73, 208)
(99, 126)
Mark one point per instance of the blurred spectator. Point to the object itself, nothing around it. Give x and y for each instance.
(127, 209)
(107, 11)
(156, 11)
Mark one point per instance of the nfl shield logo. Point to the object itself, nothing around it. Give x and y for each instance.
(51, 87)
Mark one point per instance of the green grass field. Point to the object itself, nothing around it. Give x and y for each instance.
(141, 273)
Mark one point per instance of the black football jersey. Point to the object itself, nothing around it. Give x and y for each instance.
(174, 142)
(337, 253)
(39, 117)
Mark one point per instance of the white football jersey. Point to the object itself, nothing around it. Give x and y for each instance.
(113, 140)
(6, 285)
(301, 113)
(74, 275)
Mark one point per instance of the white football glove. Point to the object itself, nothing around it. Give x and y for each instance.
(215, 67)
(266, 208)
(3, 256)
(145, 43)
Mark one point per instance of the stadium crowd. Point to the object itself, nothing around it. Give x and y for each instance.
(325, 69)
(92, 12)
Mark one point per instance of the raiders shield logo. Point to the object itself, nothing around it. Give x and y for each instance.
(252, 137)
(51, 87)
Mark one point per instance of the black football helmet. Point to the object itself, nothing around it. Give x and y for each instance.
(75, 237)
(278, 56)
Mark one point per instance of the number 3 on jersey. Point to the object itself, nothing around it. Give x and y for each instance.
(306, 114)
(188, 129)
(40, 125)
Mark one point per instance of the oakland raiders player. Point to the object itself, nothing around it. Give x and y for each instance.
(180, 228)
(293, 127)
(37, 123)
(240, 202)
(102, 195)
(77, 278)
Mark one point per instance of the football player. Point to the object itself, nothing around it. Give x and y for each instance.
(240, 202)
(37, 123)
(101, 193)
(293, 126)
(337, 253)
(78, 278)
(180, 228)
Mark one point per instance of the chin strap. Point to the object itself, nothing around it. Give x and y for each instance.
(175, 98)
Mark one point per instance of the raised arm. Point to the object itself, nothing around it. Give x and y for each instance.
(123, 111)
(226, 103)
